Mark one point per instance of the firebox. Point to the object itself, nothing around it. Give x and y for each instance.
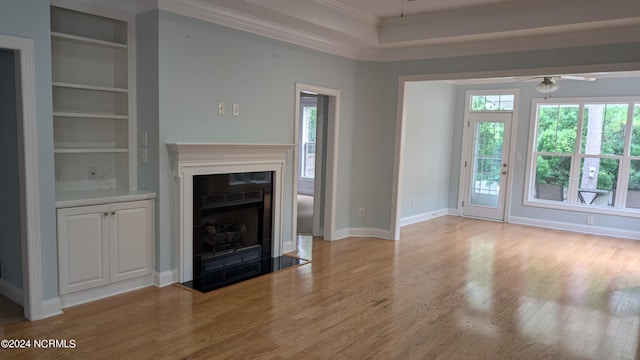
(232, 227)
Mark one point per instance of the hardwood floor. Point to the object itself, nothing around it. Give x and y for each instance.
(452, 288)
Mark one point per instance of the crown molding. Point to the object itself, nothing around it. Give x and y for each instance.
(337, 43)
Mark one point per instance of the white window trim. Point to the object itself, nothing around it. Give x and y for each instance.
(528, 199)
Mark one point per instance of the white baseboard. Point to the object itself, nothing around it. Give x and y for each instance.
(587, 229)
(288, 247)
(165, 278)
(11, 292)
(427, 216)
(52, 307)
(363, 232)
(102, 292)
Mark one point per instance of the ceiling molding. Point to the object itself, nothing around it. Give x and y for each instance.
(609, 30)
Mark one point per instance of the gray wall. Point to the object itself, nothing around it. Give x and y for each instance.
(10, 243)
(30, 19)
(148, 107)
(200, 64)
(430, 114)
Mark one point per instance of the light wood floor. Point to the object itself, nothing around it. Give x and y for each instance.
(452, 288)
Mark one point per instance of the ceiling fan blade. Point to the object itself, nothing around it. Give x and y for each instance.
(576, 77)
(520, 80)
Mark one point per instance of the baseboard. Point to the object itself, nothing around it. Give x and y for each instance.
(102, 292)
(579, 228)
(52, 307)
(363, 232)
(288, 247)
(426, 216)
(11, 292)
(165, 278)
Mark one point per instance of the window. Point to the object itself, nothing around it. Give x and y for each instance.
(585, 153)
(309, 110)
(492, 102)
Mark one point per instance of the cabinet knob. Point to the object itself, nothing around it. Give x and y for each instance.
(106, 213)
(113, 213)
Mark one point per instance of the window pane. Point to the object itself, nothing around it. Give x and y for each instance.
(603, 129)
(492, 102)
(633, 192)
(598, 179)
(557, 128)
(635, 137)
(552, 176)
(478, 102)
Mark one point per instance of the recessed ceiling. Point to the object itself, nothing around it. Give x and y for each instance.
(373, 29)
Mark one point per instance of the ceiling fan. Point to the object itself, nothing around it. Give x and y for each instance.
(549, 84)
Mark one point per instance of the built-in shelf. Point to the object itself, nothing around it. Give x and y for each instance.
(89, 150)
(90, 115)
(86, 41)
(89, 87)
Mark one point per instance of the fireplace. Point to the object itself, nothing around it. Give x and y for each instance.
(236, 163)
(232, 227)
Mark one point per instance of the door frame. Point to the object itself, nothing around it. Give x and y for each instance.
(330, 179)
(467, 146)
(32, 291)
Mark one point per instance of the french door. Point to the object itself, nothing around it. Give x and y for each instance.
(486, 165)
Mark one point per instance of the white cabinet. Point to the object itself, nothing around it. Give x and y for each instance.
(92, 102)
(103, 244)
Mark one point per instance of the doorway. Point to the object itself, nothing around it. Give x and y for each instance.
(11, 298)
(316, 139)
(22, 70)
(308, 158)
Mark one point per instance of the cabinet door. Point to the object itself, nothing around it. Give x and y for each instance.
(131, 239)
(83, 249)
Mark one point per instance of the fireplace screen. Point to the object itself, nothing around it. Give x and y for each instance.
(232, 225)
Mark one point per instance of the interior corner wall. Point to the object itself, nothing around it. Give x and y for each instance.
(147, 95)
(429, 120)
(30, 19)
(11, 244)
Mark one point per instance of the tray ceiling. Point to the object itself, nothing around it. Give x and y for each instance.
(374, 30)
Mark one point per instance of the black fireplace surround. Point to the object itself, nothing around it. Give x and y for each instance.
(232, 227)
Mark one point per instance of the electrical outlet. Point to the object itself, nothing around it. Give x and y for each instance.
(236, 109)
(361, 212)
(93, 173)
(220, 108)
(58, 174)
(589, 220)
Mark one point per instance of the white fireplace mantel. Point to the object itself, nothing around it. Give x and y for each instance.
(190, 159)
